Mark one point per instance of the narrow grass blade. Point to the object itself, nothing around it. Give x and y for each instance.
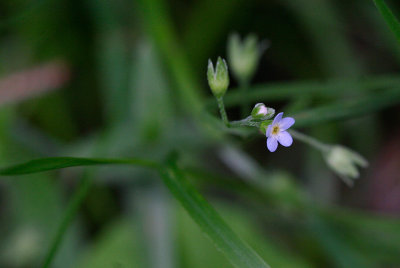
(52, 163)
(293, 90)
(346, 109)
(46, 164)
(389, 17)
(160, 27)
(237, 252)
(72, 209)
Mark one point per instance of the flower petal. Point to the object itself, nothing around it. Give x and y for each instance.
(272, 144)
(277, 119)
(268, 132)
(285, 139)
(286, 123)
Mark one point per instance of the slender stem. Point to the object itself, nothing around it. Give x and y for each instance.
(245, 122)
(244, 109)
(324, 148)
(222, 111)
(73, 207)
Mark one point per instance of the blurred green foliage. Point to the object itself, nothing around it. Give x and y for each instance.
(137, 87)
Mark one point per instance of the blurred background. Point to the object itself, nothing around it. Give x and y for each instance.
(127, 79)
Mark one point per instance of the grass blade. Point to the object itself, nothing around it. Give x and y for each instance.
(160, 27)
(72, 209)
(53, 163)
(389, 17)
(46, 164)
(346, 109)
(237, 252)
(292, 90)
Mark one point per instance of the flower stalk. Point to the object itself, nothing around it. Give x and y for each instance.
(324, 148)
(222, 111)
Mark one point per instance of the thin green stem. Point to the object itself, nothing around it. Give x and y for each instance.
(222, 111)
(244, 88)
(73, 207)
(247, 122)
(324, 148)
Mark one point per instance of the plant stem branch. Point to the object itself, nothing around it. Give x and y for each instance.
(247, 122)
(324, 148)
(244, 86)
(222, 111)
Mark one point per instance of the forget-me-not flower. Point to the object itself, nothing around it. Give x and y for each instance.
(276, 132)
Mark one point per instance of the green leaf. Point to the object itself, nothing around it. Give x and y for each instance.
(389, 17)
(46, 164)
(347, 109)
(237, 252)
(293, 90)
(72, 209)
(159, 25)
(52, 163)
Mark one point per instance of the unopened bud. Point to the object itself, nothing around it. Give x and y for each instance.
(344, 161)
(218, 80)
(244, 55)
(262, 112)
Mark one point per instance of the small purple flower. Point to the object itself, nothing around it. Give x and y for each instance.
(277, 132)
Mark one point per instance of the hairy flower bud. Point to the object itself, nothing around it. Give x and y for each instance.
(244, 55)
(262, 112)
(344, 161)
(218, 80)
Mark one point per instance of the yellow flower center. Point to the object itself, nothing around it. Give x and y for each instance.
(275, 130)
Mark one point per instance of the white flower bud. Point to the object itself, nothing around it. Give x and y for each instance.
(262, 112)
(244, 55)
(344, 161)
(218, 80)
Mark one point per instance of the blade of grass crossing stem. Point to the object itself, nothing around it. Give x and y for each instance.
(73, 207)
(389, 17)
(237, 252)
